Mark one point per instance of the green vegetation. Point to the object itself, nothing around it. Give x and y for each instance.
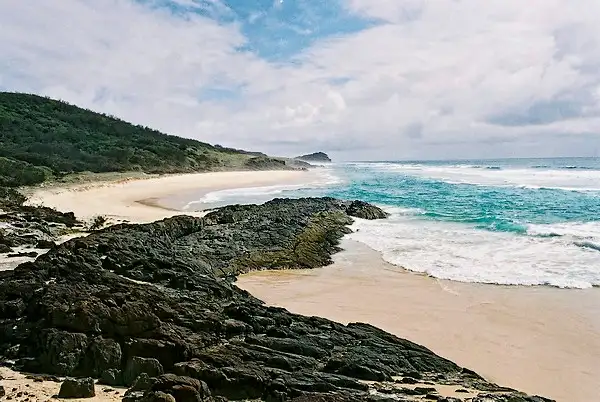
(41, 138)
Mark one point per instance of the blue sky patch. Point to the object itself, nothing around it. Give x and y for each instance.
(275, 29)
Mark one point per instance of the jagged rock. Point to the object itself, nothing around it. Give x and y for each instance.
(140, 365)
(77, 388)
(2, 391)
(161, 296)
(179, 388)
(142, 383)
(59, 352)
(361, 209)
(5, 249)
(30, 226)
(184, 389)
(101, 355)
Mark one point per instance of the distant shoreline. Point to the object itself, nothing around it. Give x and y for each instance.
(139, 199)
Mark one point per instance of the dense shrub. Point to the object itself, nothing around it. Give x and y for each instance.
(41, 136)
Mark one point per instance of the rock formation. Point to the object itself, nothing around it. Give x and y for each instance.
(154, 306)
(315, 157)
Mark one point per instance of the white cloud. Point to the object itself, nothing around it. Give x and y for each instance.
(442, 78)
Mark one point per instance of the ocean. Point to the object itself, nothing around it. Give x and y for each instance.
(507, 221)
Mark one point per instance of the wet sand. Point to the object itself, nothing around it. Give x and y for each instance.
(539, 340)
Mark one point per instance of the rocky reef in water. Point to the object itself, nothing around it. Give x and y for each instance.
(154, 307)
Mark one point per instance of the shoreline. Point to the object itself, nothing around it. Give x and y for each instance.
(366, 276)
(521, 337)
(142, 200)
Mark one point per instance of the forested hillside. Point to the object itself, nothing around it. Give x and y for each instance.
(42, 138)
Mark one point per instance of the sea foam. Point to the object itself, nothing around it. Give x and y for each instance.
(459, 252)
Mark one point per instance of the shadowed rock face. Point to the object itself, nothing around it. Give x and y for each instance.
(159, 298)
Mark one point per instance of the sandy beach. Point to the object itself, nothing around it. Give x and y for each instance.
(539, 340)
(139, 200)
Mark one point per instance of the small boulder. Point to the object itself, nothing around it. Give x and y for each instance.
(77, 388)
(2, 391)
(364, 210)
(138, 365)
(45, 244)
(30, 254)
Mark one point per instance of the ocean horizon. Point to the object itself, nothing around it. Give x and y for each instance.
(521, 221)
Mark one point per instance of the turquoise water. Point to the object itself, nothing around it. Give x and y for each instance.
(518, 221)
(493, 195)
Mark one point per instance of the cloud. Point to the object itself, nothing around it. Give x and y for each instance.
(363, 78)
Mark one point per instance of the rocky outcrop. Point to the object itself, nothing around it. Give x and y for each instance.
(130, 302)
(29, 227)
(315, 157)
(364, 210)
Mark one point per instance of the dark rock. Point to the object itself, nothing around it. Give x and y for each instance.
(77, 388)
(424, 390)
(2, 391)
(111, 377)
(140, 365)
(160, 397)
(142, 383)
(30, 254)
(102, 355)
(5, 249)
(160, 296)
(184, 389)
(361, 209)
(45, 244)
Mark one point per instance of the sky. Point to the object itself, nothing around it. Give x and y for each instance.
(359, 79)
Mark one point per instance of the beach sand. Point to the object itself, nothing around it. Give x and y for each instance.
(20, 388)
(539, 340)
(140, 200)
